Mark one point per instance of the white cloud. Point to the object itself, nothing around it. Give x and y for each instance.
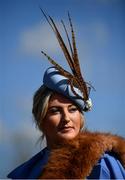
(41, 37)
(37, 38)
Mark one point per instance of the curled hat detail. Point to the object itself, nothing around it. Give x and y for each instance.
(70, 84)
(59, 83)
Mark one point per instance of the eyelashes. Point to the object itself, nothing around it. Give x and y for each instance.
(56, 110)
(53, 110)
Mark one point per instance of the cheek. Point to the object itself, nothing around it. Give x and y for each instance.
(50, 123)
(77, 120)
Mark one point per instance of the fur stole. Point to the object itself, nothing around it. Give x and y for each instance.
(76, 158)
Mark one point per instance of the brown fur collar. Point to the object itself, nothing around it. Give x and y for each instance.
(76, 158)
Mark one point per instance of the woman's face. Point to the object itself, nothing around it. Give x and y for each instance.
(62, 121)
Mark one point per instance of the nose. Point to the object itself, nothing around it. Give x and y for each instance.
(65, 117)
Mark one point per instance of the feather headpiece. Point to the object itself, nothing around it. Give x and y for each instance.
(75, 76)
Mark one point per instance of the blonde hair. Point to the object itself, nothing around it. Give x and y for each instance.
(40, 106)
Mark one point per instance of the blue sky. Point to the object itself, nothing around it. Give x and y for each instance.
(100, 34)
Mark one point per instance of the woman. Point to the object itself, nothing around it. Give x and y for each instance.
(58, 109)
(71, 152)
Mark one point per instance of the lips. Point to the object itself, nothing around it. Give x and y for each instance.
(66, 128)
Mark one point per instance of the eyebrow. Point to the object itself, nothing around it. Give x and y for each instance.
(58, 106)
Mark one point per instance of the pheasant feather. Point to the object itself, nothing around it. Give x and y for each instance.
(75, 78)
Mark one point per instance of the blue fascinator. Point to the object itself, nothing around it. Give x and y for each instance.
(60, 84)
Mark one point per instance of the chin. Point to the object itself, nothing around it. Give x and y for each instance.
(67, 136)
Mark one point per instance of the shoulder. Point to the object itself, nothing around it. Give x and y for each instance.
(29, 168)
(108, 167)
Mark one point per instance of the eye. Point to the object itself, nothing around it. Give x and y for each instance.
(73, 109)
(54, 110)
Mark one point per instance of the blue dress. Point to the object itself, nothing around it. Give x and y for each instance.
(108, 167)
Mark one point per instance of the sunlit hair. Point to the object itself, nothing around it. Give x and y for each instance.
(40, 106)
